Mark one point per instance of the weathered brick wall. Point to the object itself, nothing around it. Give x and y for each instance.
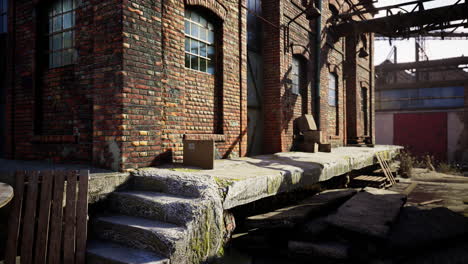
(132, 101)
(195, 102)
(54, 116)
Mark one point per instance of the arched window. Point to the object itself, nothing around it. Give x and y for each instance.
(199, 42)
(61, 33)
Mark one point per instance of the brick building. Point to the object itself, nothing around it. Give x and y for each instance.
(119, 83)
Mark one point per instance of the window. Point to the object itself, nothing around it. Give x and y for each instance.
(332, 89)
(296, 81)
(199, 43)
(3, 16)
(61, 33)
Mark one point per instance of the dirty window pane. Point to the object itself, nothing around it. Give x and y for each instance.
(332, 85)
(67, 21)
(187, 45)
(194, 62)
(203, 49)
(202, 65)
(57, 42)
(67, 39)
(194, 45)
(187, 60)
(295, 75)
(57, 23)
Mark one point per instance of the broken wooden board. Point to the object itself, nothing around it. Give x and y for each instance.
(366, 180)
(288, 217)
(370, 212)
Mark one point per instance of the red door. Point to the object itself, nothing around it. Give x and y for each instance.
(422, 134)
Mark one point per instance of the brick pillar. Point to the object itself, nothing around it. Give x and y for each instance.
(108, 75)
(352, 102)
(272, 49)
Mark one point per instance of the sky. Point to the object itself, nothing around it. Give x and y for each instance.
(435, 49)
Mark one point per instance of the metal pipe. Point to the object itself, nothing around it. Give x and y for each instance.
(318, 47)
(241, 88)
(11, 50)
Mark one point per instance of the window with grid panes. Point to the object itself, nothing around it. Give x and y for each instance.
(61, 33)
(332, 87)
(3, 16)
(199, 42)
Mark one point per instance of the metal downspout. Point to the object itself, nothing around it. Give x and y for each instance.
(318, 47)
(12, 70)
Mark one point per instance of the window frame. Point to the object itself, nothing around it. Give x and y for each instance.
(210, 27)
(333, 90)
(49, 16)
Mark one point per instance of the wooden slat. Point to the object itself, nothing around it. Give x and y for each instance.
(55, 239)
(29, 219)
(82, 217)
(382, 165)
(70, 219)
(43, 218)
(14, 220)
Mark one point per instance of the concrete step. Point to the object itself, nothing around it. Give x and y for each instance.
(141, 233)
(154, 205)
(166, 181)
(103, 252)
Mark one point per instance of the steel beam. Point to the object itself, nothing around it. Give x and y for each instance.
(400, 23)
(450, 62)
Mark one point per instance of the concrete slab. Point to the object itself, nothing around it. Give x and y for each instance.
(370, 212)
(253, 178)
(243, 180)
(289, 217)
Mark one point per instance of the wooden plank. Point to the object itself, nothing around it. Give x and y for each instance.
(29, 219)
(82, 217)
(70, 219)
(410, 188)
(382, 165)
(44, 216)
(14, 220)
(431, 202)
(56, 219)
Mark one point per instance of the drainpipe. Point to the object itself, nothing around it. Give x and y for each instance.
(11, 61)
(241, 88)
(318, 46)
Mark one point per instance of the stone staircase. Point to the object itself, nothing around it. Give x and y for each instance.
(163, 218)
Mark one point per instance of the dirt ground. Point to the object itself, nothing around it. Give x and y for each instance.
(451, 189)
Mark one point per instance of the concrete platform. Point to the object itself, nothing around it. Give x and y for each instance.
(243, 180)
(252, 178)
